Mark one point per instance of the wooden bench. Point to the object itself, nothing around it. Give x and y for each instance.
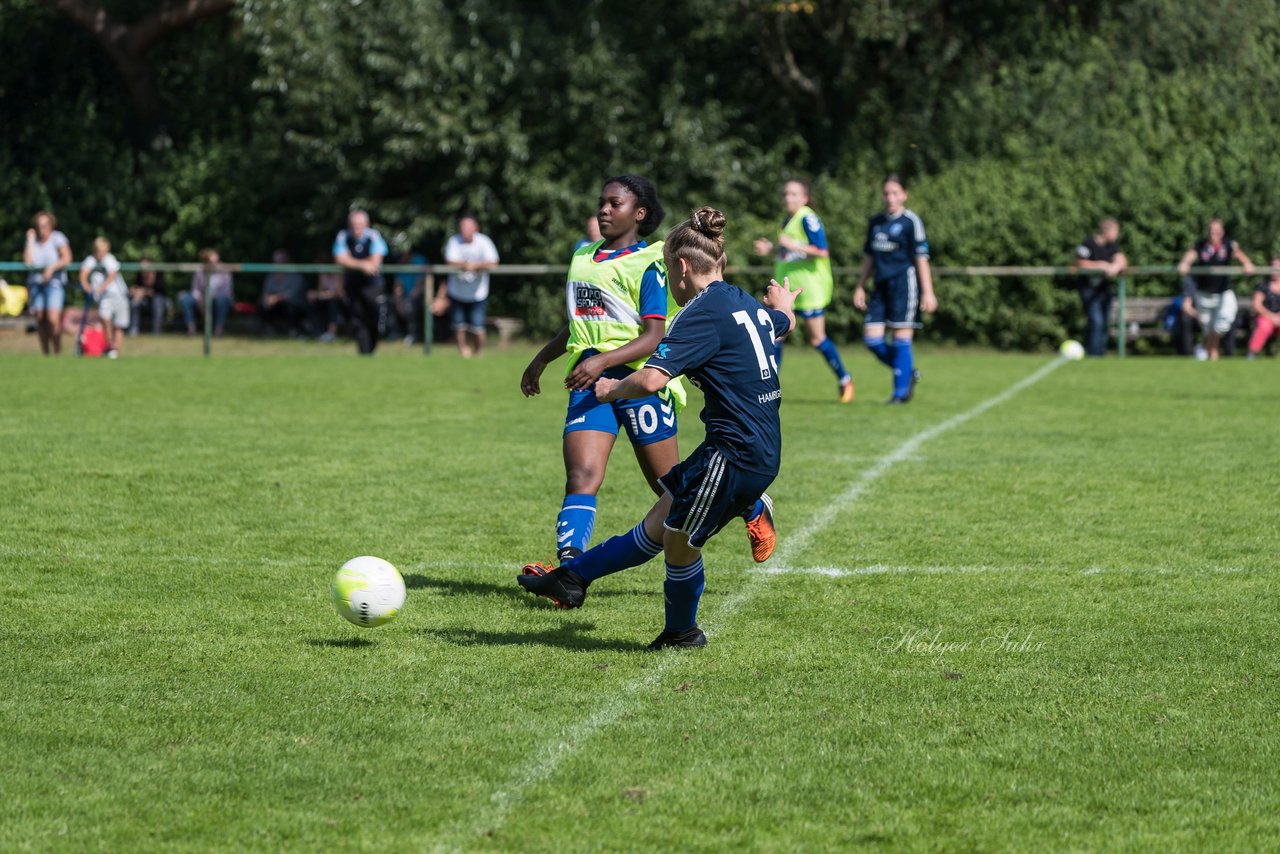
(507, 328)
(1144, 316)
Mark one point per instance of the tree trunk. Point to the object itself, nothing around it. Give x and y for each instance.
(128, 45)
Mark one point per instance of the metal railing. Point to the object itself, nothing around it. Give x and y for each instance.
(841, 272)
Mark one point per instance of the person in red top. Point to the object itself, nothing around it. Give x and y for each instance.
(1215, 301)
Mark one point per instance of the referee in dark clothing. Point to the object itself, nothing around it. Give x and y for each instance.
(361, 250)
(1100, 256)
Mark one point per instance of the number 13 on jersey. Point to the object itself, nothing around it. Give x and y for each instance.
(766, 362)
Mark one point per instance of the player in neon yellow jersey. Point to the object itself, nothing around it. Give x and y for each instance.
(619, 307)
(802, 255)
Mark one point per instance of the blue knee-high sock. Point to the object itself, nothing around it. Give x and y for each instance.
(754, 510)
(903, 365)
(828, 349)
(879, 349)
(575, 523)
(777, 353)
(683, 589)
(615, 554)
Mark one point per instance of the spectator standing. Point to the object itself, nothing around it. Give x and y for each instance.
(1215, 301)
(361, 250)
(1266, 310)
(1100, 255)
(214, 284)
(148, 294)
(593, 234)
(468, 290)
(102, 282)
(48, 249)
(409, 296)
(284, 298)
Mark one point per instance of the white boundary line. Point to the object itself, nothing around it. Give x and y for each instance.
(883, 569)
(492, 816)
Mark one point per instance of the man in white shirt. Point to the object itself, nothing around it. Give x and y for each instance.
(100, 277)
(467, 291)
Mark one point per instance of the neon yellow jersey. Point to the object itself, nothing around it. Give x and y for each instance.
(603, 301)
(810, 272)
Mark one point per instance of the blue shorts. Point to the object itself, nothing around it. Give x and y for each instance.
(466, 315)
(810, 313)
(708, 492)
(46, 296)
(646, 419)
(895, 302)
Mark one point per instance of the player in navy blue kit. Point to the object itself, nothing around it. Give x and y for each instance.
(898, 251)
(723, 341)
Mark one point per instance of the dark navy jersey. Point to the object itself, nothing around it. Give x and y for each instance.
(1209, 254)
(723, 341)
(895, 242)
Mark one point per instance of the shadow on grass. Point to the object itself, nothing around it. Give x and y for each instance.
(340, 643)
(456, 587)
(567, 636)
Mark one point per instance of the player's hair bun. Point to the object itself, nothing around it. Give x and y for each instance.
(709, 222)
(699, 240)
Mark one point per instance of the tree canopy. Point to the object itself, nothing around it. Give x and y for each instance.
(1017, 125)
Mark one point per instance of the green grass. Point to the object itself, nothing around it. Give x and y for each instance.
(176, 679)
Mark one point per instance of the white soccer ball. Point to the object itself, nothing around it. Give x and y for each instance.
(368, 591)
(1072, 350)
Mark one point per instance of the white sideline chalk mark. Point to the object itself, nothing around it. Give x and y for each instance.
(881, 569)
(548, 759)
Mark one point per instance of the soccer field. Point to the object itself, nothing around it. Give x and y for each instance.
(1035, 609)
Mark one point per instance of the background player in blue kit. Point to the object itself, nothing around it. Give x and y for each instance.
(723, 341)
(897, 250)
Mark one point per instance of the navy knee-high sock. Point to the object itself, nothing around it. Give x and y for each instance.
(903, 366)
(615, 554)
(683, 589)
(879, 349)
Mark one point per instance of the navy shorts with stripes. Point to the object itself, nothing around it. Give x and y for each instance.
(895, 302)
(708, 492)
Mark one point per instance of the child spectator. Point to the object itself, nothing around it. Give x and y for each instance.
(100, 277)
